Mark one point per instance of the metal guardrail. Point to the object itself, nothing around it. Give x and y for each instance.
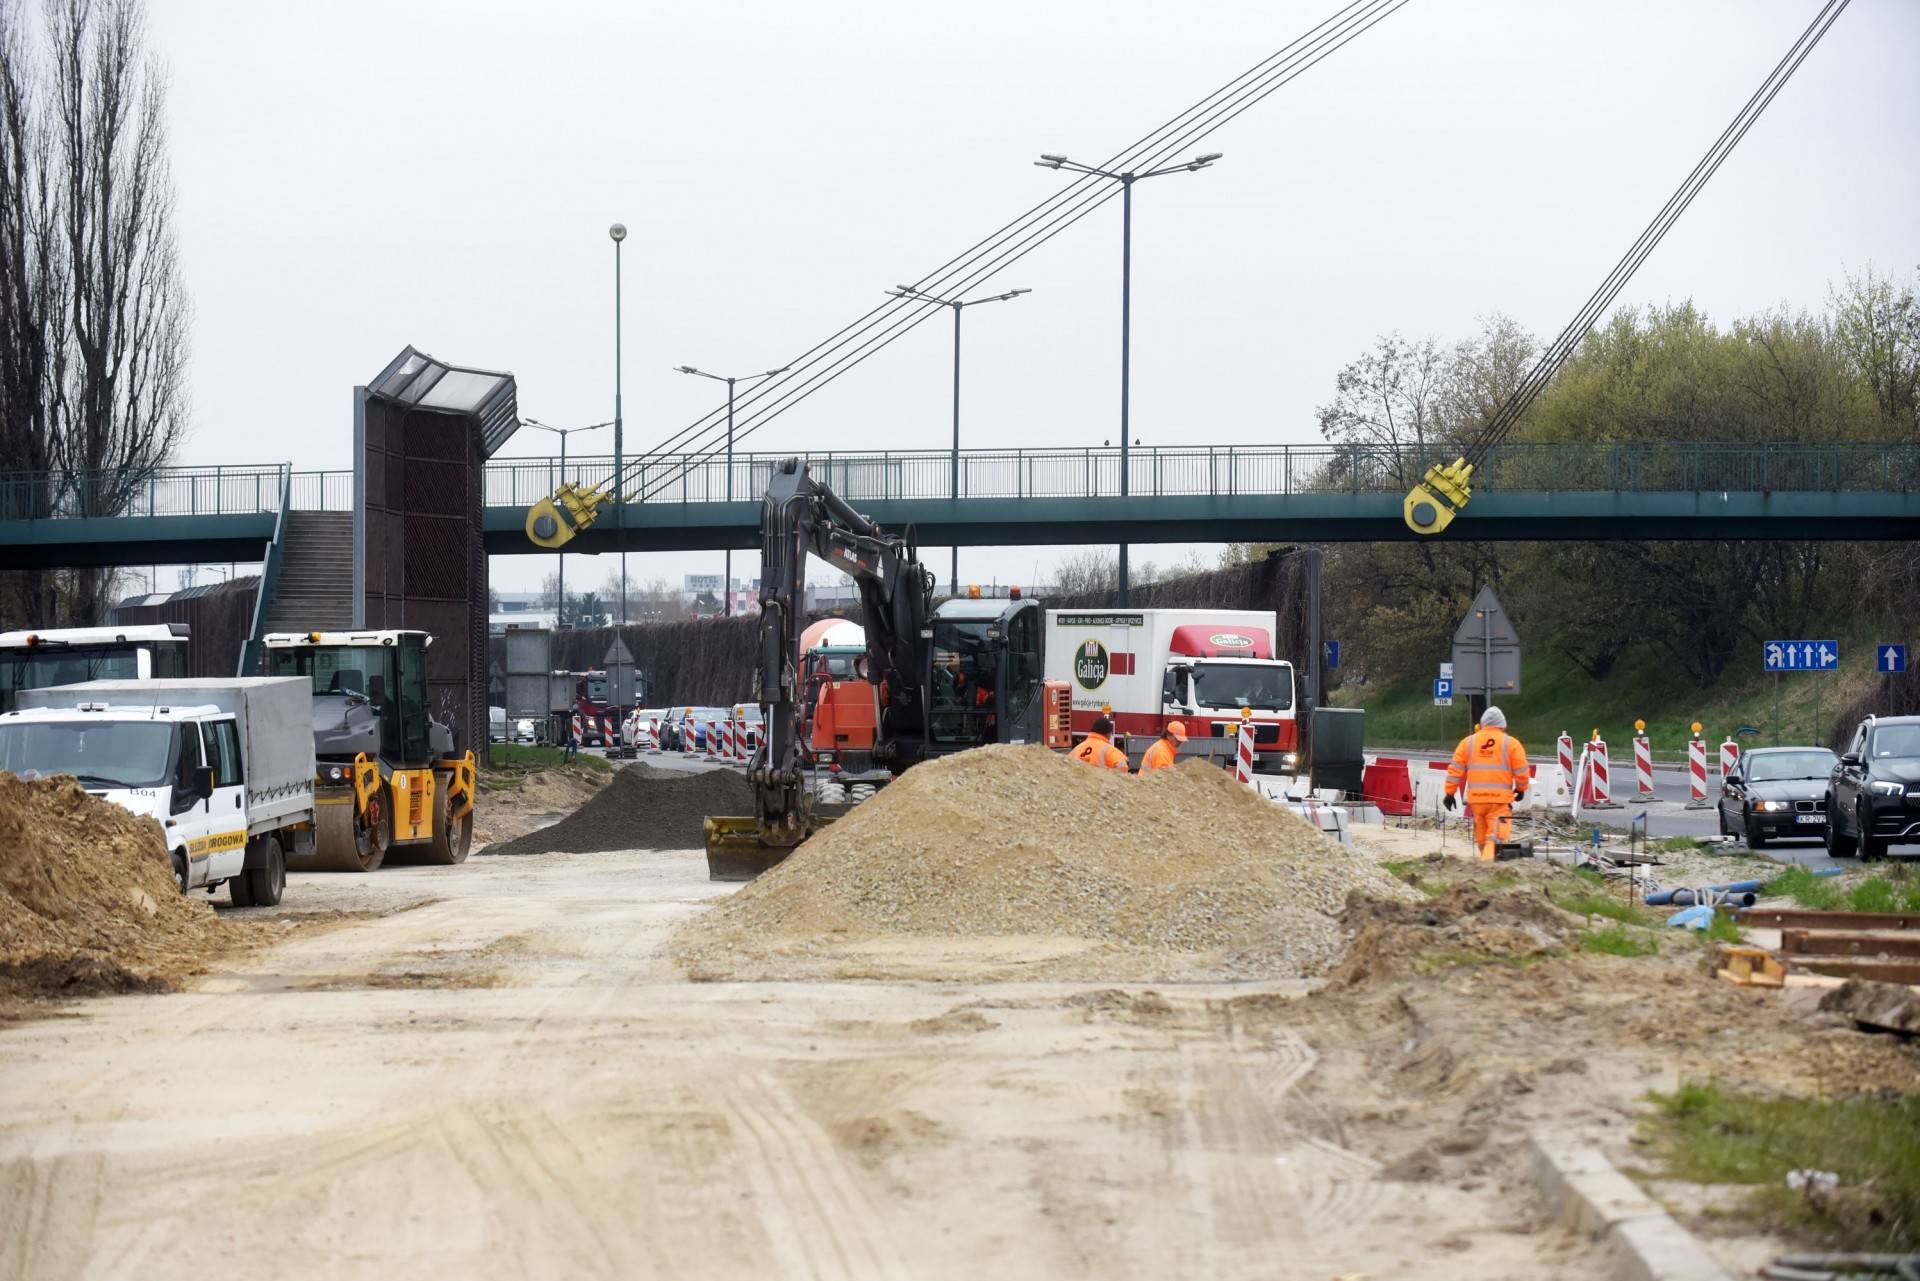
(1154, 471)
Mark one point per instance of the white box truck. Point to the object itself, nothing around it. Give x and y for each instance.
(1197, 666)
(225, 766)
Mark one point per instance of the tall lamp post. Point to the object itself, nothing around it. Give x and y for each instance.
(560, 601)
(958, 304)
(726, 583)
(1126, 181)
(618, 232)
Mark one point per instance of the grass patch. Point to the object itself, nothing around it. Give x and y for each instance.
(1804, 888)
(1679, 844)
(1618, 940)
(523, 757)
(1882, 894)
(1410, 873)
(1589, 874)
(1706, 1134)
(1722, 929)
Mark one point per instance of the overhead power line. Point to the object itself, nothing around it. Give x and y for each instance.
(885, 323)
(1562, 348)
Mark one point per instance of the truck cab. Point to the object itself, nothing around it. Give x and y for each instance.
(46, 657)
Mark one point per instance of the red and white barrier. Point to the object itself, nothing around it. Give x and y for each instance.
(1599, 789)
(1643, 770)
(1243, 758)
(740, 752)
(1566, 754)
(607, 738)
(1729, 757)
(1697, 773)
(579, 730)
(687, 737)
(653, 735)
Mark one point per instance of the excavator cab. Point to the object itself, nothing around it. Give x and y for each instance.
(388, 776)
(984, 669)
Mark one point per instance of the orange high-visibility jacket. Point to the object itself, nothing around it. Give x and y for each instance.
(1096, 749)
(1159, 756)
(1493, 766)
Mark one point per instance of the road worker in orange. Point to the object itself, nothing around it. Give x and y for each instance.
(1097, 748)
(1490, 765)
(1165, 748)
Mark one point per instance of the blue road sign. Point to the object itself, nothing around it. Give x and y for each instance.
(1333, 654)
(1800, 655)
(1443, 692)
(1891, 658)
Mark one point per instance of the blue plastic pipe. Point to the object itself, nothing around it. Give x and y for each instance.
(1658, 897)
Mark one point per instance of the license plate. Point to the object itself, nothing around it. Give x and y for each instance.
(1809, 818)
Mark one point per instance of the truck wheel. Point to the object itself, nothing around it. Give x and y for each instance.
(266, 884)
(240, 889)
(180, 870)
(1839, 844)
(452, 837)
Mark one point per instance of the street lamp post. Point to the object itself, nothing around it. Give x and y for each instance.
(619, 233)
(560, 601)
(726, 585)
(958, 304)
(1126, 181)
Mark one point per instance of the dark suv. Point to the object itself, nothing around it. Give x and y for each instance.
(1873, 796)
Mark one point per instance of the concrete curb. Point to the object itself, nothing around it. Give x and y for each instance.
(1585, 1192)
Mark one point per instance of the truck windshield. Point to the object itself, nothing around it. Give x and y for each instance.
(362, 671)
(44, 667)
(98, 753)
(1263, 686)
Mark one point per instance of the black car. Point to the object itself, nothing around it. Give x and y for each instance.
(1776, 791)
(1873, 795)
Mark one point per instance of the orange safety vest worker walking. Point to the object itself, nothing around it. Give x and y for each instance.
(1491, 766)
(1097, 748)
(1165, 748)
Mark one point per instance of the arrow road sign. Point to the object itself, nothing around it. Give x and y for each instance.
(1800, 656)
(1892, 658)
(1443, 693)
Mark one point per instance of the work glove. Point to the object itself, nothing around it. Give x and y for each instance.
(1451, 802)
(1519, 796)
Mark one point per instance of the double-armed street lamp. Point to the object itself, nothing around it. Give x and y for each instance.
(560, 603)
(727, 581)
(617, 233)
(1126, 181)
(958, 305)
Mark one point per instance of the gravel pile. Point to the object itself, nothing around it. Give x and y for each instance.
(1178, 874)
(643, 808)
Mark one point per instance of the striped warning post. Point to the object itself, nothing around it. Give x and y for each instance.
(607, 738)
(1566, 756)
(1697, 773)
(1729, 757)
(579, 730)
(1643, 770)
(713, 743)
(740, 752)
(1599, 778)
(1243, 757)
(653, 735)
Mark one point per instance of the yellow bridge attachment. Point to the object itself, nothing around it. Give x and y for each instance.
(1441, 495)
(552, 522)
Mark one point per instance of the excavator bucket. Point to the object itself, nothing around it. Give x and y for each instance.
(737, 849)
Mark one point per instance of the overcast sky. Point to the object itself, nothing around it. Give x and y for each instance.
(354, 177)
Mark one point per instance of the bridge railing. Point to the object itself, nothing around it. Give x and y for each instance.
(1153, 471)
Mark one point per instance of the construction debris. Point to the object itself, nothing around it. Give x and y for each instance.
(1887, 1007)
(642, 808)
(1752, 967)
(1179, 874)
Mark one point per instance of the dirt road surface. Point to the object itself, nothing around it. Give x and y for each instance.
(508, 1079)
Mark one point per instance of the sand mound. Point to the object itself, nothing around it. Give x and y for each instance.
(1013, 861)
(642, 808)
(87, 897)
(1466, 924)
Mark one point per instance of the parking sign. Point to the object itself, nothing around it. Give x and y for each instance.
(1443, 693)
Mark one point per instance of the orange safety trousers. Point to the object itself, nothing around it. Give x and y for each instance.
(1491, 823)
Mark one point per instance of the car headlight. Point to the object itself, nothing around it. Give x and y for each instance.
(1291, 758)
(1771, 805)
(335, 774)
(1888, 788)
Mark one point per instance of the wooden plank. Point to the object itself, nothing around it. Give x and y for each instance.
(1752, 967)
(1807, 918)
(1906, 972)
(1841, 943)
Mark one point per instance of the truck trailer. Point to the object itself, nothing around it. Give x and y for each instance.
(224, 765)
(1146, 667)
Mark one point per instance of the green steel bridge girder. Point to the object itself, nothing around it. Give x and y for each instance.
(69, 542)
(1518, 516)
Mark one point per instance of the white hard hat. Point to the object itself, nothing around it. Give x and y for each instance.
(1493, 718)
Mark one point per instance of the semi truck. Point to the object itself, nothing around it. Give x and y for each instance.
(49, 656)
(225, 766)
(1146, 667)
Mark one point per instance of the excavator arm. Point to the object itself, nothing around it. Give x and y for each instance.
(801, 516)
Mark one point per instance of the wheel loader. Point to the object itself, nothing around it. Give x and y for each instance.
(388, 779)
